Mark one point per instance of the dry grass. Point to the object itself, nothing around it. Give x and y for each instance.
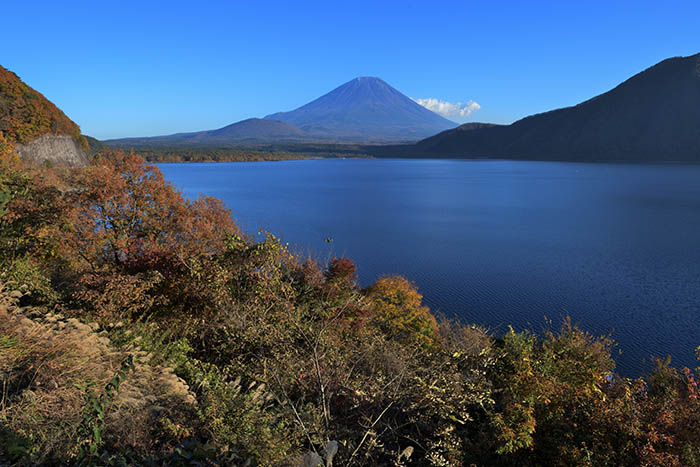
(44, 358)
(41, 367)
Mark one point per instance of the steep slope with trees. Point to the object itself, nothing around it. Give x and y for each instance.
(36, 128)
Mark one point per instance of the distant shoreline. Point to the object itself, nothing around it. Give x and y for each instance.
(471, 159)
(156, 154)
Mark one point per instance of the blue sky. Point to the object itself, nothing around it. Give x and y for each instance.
(146, 68)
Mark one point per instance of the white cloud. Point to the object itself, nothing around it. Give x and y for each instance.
(448, 109)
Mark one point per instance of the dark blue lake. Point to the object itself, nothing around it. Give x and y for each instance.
(616, 247)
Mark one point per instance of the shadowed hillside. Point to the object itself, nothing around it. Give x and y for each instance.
(653, 116)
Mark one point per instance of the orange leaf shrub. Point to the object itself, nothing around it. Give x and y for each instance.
(397, 310)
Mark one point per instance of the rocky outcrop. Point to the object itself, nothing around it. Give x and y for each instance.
(58, 150)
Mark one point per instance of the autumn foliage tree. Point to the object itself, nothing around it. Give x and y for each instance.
(33, 213)
(341, 271)
(129, 217)
(559, 386)
(6, 147)
(397, 310)
(668, 410)
(131, 226)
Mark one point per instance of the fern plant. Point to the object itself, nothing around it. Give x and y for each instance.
(93, 421)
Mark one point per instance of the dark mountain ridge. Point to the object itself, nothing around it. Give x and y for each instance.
(653, 116)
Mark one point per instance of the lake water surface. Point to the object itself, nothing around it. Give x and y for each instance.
(616, 247)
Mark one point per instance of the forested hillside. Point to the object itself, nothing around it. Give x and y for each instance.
(26, 114)
(112, 282)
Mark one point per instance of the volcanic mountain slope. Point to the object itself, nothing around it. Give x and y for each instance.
(34, 127)
(362, 110)
(653, 116)
(365, 109)
(250, 130)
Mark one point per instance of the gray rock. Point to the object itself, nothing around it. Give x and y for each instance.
(312, 460)
(58, 150)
